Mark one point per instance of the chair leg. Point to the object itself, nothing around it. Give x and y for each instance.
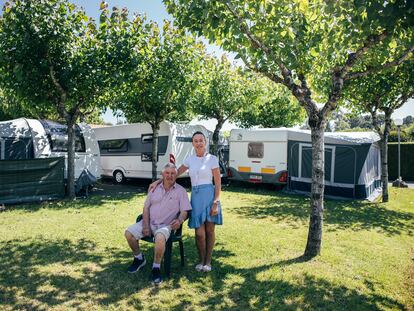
(181, 252)
(167, 258)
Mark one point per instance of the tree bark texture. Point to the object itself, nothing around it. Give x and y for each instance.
(384, 156)
(384, 169)
(71, 160)
(313, 245)
(216, 137)
(155, 132)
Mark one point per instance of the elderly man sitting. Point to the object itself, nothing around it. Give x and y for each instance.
(165, 209)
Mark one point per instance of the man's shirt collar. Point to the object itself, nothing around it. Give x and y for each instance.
(172, 187)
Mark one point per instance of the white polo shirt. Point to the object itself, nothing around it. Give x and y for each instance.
(200, 168)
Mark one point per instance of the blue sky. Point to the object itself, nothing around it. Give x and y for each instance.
(155, 10)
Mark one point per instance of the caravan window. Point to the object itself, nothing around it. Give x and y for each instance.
(184, 139)
(59, 141)
(114, 145)
(146, 139)
(58, 136)
(146, 144)
(255, 150)
(15, 148)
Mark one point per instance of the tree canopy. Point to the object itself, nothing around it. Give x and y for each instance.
(154, 70)
(50, 58)
(273, 107)
(310, 47)
(382, 92)
(222, 93)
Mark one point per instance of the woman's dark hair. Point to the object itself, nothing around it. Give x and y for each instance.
(198, 133)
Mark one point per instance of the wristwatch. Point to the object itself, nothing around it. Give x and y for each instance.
(217, 201)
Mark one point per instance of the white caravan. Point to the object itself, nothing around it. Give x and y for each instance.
(258, 155)
(126, 150)
(30, 139)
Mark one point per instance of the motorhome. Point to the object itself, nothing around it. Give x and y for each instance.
(126, 150)
(284, 156)
(31, 139)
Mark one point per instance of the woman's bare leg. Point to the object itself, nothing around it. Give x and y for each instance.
(210, 241)
(200, 233)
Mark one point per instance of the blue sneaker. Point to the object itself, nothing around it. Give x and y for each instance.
(156, 276)
(136, 265)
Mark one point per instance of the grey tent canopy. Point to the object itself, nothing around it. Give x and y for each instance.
(352, 164)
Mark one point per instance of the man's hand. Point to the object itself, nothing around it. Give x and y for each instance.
(146, 231)
(175, 224)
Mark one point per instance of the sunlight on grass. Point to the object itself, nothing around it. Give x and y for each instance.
(72, 255)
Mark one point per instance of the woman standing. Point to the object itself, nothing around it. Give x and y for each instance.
(206, 210)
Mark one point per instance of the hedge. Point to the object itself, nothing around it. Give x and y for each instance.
(407, 161)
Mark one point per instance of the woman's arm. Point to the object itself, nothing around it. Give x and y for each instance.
(153, 185)
(182, 169)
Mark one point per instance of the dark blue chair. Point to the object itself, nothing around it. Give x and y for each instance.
(176, 236)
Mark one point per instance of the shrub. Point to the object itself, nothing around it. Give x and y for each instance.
(404, 137)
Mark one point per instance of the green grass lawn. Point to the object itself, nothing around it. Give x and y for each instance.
(63, 255)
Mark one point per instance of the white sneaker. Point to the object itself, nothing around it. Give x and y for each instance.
(199, 267)
(206, 268)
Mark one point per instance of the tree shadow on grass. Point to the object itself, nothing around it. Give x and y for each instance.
(338, 215)
(365, 216)
(309, 293)
(252, 291)
(62, 273)
(282, 207)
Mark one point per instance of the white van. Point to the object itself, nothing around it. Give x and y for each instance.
(30, 139)
(258, 155)
(126, 150)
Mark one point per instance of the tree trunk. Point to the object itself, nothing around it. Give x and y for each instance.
(216, 137)
(71, 159)
(384, 169)
(155, 131)
(384, 156)
(313, 245)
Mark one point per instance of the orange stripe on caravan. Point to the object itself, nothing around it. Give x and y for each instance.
(244, 169)
(268, 170)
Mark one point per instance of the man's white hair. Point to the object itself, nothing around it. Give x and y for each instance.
(169, 165)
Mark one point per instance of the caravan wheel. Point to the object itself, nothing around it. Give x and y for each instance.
(119, 177)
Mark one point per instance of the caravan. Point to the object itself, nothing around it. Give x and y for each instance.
(258, 155)
(126, 150)
(32, 139)
(284, 156)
